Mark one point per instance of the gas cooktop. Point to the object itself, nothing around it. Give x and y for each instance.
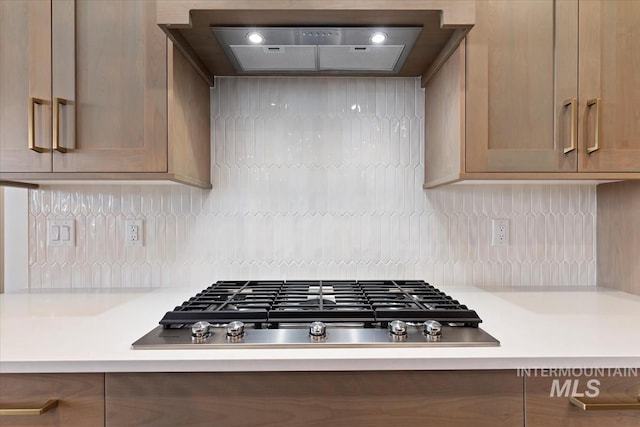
(324, 313)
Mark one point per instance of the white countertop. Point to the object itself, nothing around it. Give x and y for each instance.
(92, 331)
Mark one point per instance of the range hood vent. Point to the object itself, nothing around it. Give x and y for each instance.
(317, 49)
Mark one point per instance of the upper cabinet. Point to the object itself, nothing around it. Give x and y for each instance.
(609, 86)
(201, 29)
(521, 66)
(92, 90)
(25, 86)
(540, 90)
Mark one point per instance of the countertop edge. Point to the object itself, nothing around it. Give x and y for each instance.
(283, 365)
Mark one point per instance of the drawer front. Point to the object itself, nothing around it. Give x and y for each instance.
(80, 399)
(547, 399)
(315, 399)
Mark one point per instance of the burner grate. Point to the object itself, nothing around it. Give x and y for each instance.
(275, 302)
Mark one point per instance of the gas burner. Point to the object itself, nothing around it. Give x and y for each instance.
(396, 305)
(317, 303)
(312, 303)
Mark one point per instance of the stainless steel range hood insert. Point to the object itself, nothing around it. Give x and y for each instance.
(317, 49)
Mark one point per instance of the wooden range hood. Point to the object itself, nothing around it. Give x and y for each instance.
(444, 25)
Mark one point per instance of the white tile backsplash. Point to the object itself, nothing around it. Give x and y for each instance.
(316, 178)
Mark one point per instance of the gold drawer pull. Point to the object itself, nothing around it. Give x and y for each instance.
(601, 406)
(574, 122)
(596, 136)
(49, 404)
(56, 125)
(32, 124)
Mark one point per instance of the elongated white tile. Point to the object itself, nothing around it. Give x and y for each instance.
(316, 178)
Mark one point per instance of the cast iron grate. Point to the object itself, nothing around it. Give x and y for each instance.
(338, 301)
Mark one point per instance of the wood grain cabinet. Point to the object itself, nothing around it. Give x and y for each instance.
(541, 89)
(92, 89)
(340, 399)
(545, 407)
(80, 399)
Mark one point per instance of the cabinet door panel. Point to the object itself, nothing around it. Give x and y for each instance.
(610, 70)
(25, 72)
(119, 102)
(521, 67)
(337, 399)
(80, 399)
(542, 410)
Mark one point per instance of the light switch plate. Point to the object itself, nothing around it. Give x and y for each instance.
(61, 232)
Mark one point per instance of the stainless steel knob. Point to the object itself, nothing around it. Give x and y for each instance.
(235, 329)
(398, 329)
(200, 331)
(317, 330)
(433, 330)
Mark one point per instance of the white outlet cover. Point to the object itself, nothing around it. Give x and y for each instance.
(134, 232)
(61, 232)
(499, 232)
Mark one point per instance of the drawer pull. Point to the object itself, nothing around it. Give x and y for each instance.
(49, 404)
(32, 124)
(574, 122)
(602, 406)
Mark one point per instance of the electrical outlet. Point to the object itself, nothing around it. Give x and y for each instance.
(134, 232)
(499, 232)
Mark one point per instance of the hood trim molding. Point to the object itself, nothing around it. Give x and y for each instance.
(188, 23)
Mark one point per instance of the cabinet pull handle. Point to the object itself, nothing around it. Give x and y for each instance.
(56, 125)
(596, 137)
(574, 122)
(48, 405)
(601, 406)
(32, 124)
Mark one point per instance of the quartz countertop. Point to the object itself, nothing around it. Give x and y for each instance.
(92, 331)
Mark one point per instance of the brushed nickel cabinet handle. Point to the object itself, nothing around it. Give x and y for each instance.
(32, 124)
(574, 122)
(596, 137)
(602, 406)
(56, 125)
(48, 405)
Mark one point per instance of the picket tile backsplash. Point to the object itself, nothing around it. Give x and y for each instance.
(316, 178)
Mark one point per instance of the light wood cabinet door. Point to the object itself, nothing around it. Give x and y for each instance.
(114, 98)
(109, 68)
(25, 84)
(80, 399)
(320, 399)
(544, 410)
(610, 72)
(521, 67)
(94, 74)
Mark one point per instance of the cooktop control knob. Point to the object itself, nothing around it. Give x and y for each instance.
(317, 330)
(235, 329)
(432, 330)
(200, 331)
(398, 329)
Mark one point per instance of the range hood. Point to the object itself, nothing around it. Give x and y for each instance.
(317, 49)
(316, 37)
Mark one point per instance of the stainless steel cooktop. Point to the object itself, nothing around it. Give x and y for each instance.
(302, 314)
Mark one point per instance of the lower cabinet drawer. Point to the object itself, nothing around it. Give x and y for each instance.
(548, 401)
(320, 399)
(80, 399)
